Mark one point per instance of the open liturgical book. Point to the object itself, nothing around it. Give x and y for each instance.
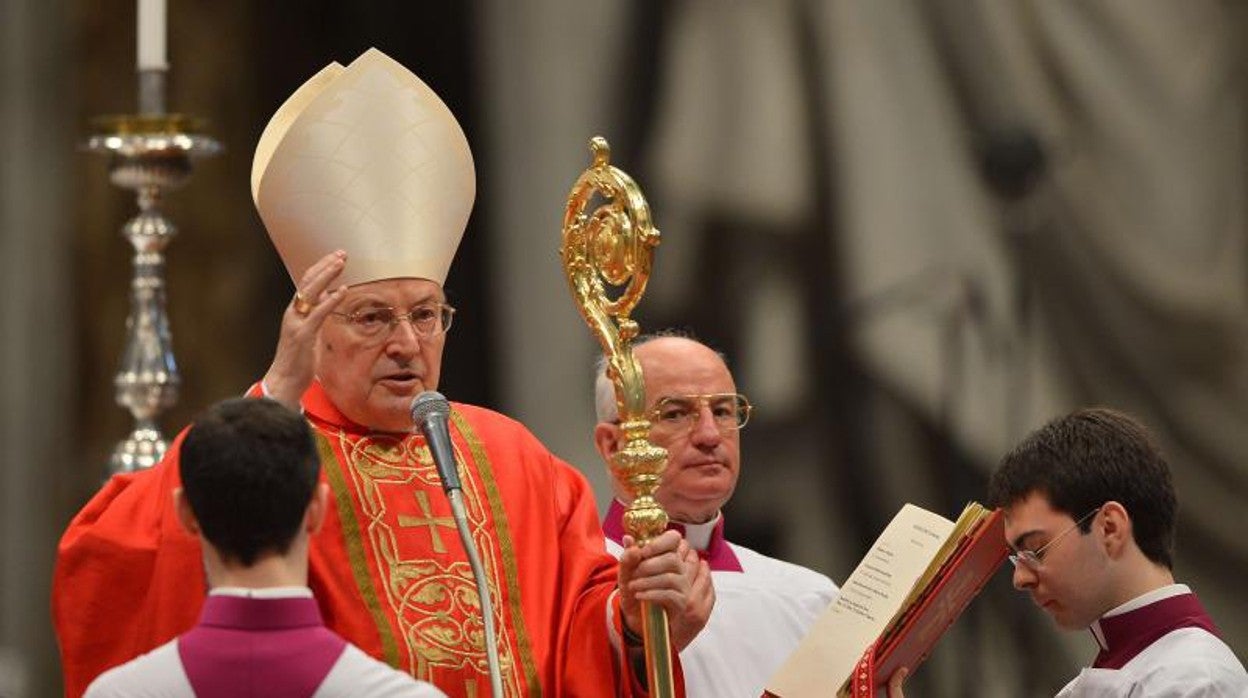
(918, 577)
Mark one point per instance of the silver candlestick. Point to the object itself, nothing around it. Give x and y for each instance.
(149, 154)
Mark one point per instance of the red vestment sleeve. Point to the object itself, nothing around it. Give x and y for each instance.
(128, 578)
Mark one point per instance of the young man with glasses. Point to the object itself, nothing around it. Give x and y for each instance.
(365, 182)
(763, 606)
(1090, 514)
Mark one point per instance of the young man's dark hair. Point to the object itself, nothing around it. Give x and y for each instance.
(249, 467)
(1087, 458)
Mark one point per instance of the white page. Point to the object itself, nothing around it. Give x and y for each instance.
(868, 601)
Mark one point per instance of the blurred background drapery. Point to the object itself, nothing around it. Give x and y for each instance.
(918, 228)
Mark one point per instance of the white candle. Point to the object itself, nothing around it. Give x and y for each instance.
(151, 32)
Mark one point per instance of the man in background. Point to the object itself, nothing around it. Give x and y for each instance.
(250, 494)
(763, 606)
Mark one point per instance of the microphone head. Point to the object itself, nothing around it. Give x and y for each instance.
(429, 403)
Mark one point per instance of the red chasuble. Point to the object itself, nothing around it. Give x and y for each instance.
(388, 568)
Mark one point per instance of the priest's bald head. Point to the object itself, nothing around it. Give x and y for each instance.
(695, 413)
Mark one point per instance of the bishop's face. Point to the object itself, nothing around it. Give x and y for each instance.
(703, 461)
(1072, 580)
(372, 379)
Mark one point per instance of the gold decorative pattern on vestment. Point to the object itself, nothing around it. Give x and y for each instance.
(506, 547)
(356, 556)
(431, 593)
(422, 498)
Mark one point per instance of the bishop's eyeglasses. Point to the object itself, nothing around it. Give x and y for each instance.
(428, 320)
(678, 414)
(1034, 559)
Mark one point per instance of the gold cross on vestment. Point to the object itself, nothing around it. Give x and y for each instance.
(422, 498)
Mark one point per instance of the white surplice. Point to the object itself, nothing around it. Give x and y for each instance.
(763, 607)
(1187, 662)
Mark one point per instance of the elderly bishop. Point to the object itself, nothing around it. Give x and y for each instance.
(365, 182)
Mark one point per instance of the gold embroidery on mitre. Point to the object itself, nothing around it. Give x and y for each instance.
(430, 591)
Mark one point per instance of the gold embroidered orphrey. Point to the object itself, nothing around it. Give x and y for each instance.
(432, 596)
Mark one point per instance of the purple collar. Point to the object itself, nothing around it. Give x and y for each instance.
(249, 647)
(260, 614)
(718, 553)
(1128, 634)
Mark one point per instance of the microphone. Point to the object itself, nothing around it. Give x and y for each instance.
(430, 411)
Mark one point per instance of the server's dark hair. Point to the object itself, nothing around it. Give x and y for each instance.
(1089, 457)
(248, 468)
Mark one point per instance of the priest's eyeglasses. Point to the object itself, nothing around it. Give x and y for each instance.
(1034, 559)
(678, 414)
(427, 320)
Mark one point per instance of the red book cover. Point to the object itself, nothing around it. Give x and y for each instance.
(966, 571)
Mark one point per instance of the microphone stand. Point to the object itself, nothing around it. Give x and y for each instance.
(456, 497)
(431, 413)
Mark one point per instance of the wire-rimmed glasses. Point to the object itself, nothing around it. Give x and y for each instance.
(1034, 559)
(677, 414)
(428, 320)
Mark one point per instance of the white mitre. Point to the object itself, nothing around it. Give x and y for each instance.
(369, 160)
